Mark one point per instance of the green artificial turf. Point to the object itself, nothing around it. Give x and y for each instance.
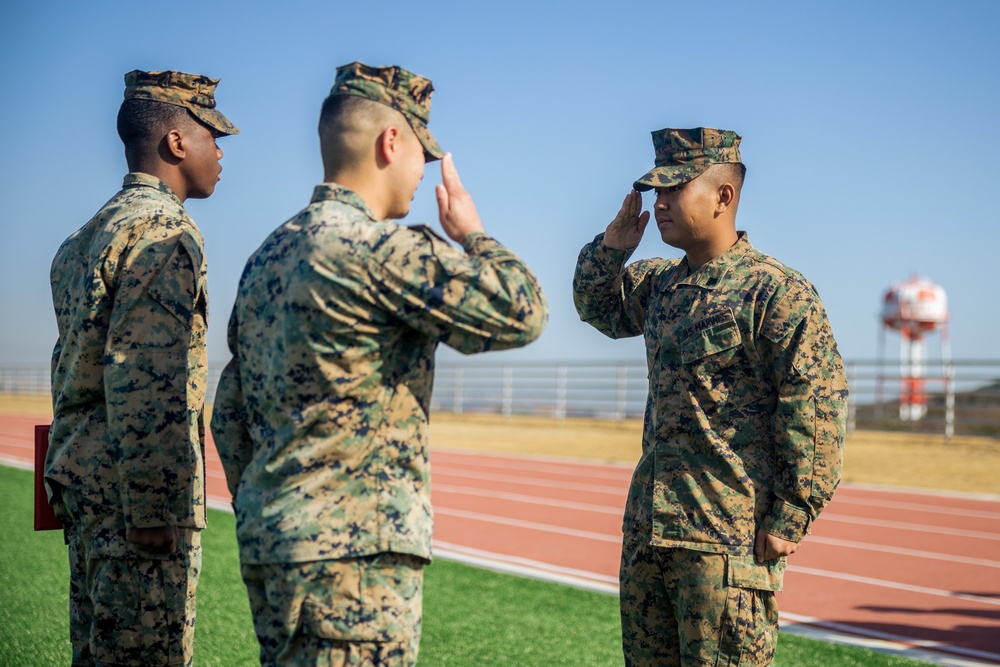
(34, 589)
(472, 617)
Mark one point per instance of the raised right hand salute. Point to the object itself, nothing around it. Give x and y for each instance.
(456, 210)
(625, 231)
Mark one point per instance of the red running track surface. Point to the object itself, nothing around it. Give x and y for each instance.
(919, 568)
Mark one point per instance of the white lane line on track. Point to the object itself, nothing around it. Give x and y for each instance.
(530, 525)
(526, 566)
(902, 551)
(927, 493)
(883, 583)
(908, 647)
(439, 471)
(919, 527)
(532, 500)
(222, 503)
(16, 463)
(917, 507)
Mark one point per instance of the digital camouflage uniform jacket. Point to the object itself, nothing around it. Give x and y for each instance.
(321, 416)
(745, 419)
(128, 371)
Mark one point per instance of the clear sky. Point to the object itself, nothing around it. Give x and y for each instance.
(871, 135)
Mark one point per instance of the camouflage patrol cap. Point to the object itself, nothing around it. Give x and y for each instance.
(683, 155)
(194, 92)
(404, 91)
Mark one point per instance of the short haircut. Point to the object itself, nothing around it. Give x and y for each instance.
(348, 124)
(142, 123)
(734, 172)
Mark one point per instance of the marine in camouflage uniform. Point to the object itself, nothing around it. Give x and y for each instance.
(321, 416)
(744, 424)
(125, 468)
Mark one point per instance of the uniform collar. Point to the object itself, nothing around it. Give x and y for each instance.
(338, 193)
(137, 179)
(712, 273)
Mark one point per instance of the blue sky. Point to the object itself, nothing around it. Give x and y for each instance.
(871, 134)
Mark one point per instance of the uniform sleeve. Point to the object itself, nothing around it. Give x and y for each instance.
(810, 420)
(152, 400)
(611, 299)
(229, 420)
(482, 299)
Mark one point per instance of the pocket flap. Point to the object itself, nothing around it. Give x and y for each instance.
(709, 341)
(350, 622)
(746, 572)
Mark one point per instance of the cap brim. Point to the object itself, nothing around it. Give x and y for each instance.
(215, 120)
(431, 147)
(672, 176)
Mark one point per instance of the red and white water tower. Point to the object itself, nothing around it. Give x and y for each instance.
(915, 308)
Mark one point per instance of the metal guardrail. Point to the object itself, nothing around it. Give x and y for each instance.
(962, 397)
(958, 397)
(25, 380)
(36, 379)
(609, 390)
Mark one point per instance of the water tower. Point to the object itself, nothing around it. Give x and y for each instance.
(915, 308)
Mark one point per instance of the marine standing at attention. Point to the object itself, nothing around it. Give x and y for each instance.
(125, 468)
(321, 416)
(745, 419)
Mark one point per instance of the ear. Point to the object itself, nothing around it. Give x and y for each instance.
(387, 145)
(727, 194)
(173, 142)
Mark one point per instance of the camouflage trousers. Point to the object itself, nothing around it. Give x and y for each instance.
(354, 611)
(126, 607)
(684, 607)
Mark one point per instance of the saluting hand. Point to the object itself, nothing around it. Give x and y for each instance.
(625, 231)
(456, 209)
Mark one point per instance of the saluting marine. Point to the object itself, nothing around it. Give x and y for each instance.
(744, 425)
(321, 416)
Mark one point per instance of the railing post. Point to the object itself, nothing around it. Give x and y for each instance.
(879, 374)
(852, 378)
(949, 401)
(622, 393)
(560, 392)
(456, 392)
(508, 391)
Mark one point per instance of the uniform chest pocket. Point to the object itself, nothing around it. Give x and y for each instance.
(713, 341)
(711, 355)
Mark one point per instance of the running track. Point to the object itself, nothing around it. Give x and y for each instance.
(918, 570)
